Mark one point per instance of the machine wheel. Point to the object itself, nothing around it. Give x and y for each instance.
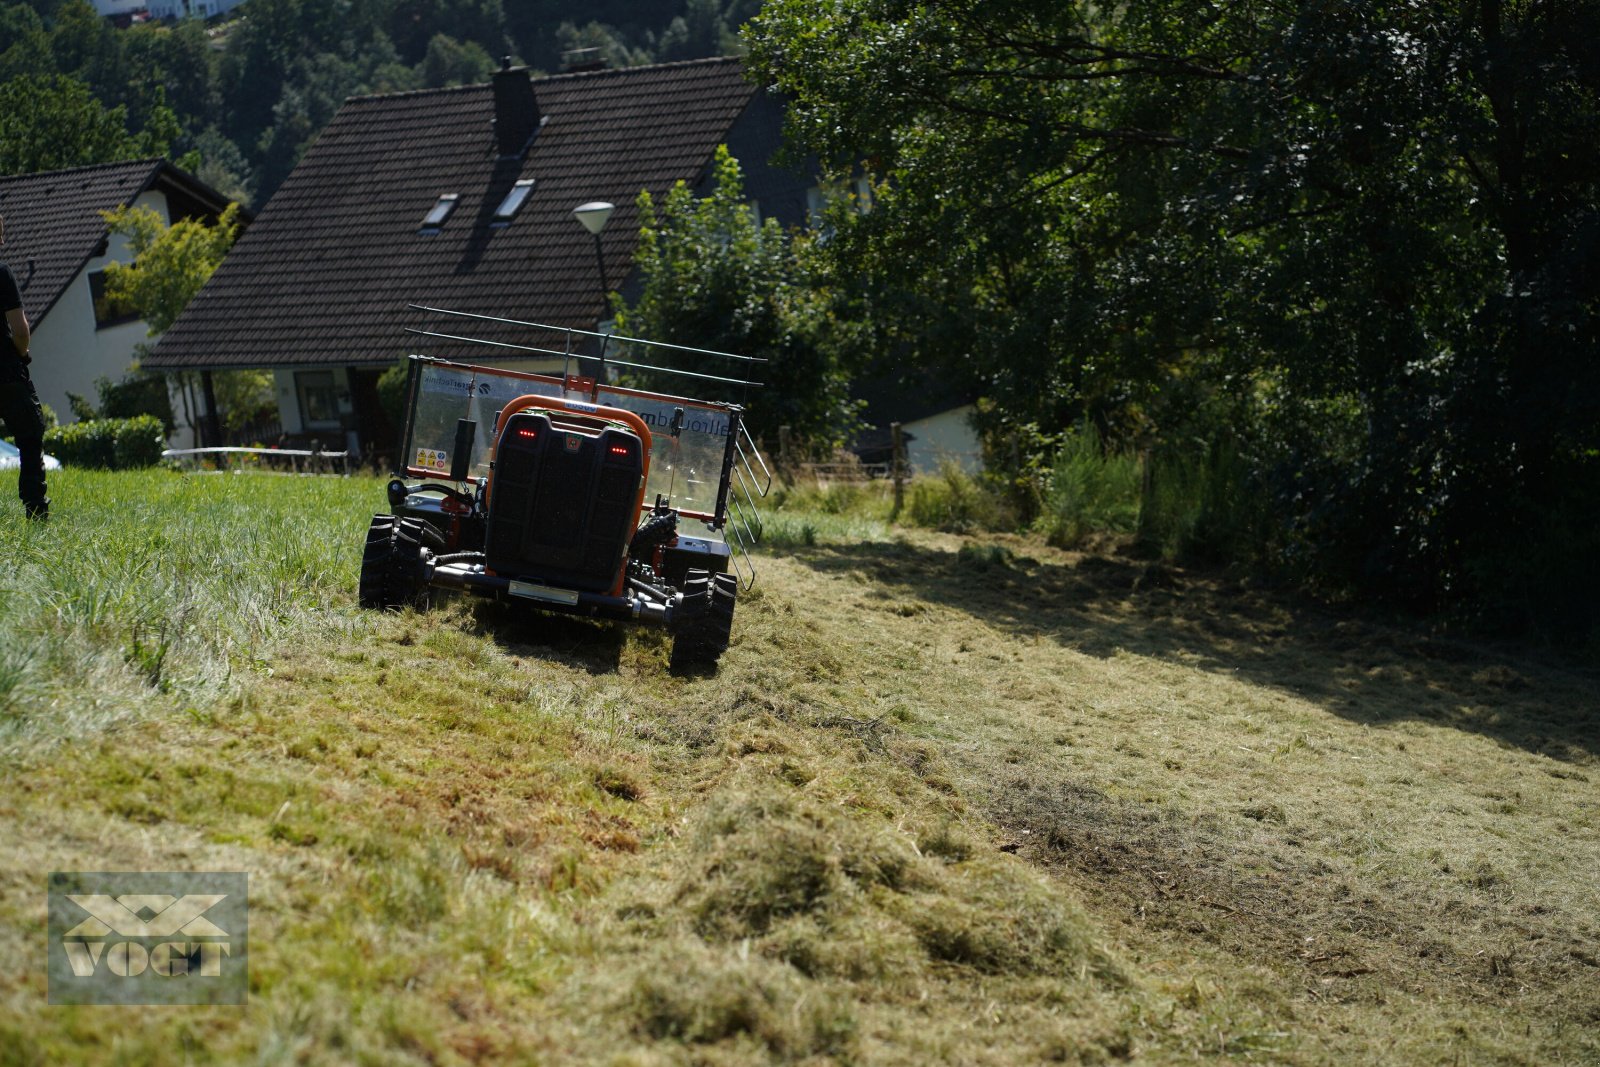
(707, 619)
(391, 566)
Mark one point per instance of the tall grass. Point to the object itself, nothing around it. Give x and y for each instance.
(959, 502)
(1197, 504)
(1088, 490)
(151, 588)
(1204, 505)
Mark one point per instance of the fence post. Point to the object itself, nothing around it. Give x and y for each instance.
(1147, 500)
(785, 459)
(898, 463)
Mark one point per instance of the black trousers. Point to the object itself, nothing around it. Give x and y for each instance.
(19, 407)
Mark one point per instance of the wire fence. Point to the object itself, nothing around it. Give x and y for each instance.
(276, 460)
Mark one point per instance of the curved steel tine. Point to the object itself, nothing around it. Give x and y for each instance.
(753, 519)
(750, 535)
(744, 431)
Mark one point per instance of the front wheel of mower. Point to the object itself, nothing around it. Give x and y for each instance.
(392, 563)
(703, 635)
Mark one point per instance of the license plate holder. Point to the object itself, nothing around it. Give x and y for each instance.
(548, 594)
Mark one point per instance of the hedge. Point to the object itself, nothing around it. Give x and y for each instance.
(115, 444)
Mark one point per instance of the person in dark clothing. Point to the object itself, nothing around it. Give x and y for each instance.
(19, 402)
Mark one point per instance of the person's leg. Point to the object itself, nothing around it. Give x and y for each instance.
(19, 406)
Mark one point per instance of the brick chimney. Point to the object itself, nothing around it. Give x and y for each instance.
(516, 112)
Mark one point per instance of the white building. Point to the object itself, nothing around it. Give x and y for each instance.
(57, 247)
(164, 9)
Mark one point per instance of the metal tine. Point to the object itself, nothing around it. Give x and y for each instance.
(755, 450)
(569, 330)
(749, 505)
(749, 564)
(750, 536)
(754, 478)
(753, 531)
(750, 502)
(610, 362)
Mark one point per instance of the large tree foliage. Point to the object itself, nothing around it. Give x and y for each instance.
(49, 122)
(715, 277)
(1352, 241)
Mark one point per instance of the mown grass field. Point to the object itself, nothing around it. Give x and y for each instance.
(948, 799)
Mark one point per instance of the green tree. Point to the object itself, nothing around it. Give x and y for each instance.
(51, 122)
(413, 24)
(1346, 242)
(450, 62)
(716, 278)
(615, 46)
(24, 45)
(87, 47)
(170, 263)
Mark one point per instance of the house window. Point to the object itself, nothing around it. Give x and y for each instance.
(512, 203)
(434, 219)
(319, 400)
(108, 312)
(818, 198)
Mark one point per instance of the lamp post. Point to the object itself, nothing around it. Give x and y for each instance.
(594, 216)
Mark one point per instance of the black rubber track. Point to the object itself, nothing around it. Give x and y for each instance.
(702, 636)
(391, 564)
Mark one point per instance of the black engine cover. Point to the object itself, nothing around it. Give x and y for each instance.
(564, 501)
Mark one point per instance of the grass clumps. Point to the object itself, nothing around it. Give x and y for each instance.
(767, 856)
(753, 1007)
(848, 895)
(1010, 926)
(793, 923)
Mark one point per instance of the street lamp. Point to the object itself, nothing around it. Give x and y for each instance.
(594, 216)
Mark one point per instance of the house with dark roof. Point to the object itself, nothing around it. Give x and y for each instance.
(463, 199)
(58, 247)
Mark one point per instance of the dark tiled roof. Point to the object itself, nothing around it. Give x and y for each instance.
(324, 274)
(53, 218)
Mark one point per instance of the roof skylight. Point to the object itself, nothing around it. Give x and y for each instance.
(441, 210)
(513, 202)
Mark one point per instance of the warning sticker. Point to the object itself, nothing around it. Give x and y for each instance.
(433, 459)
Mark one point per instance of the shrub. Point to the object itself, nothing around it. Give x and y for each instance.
(112, 444)
(1089, 489)
(1205, 506)
(958, 502)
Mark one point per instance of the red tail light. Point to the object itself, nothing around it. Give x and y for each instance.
(529, 434)
(619, 450)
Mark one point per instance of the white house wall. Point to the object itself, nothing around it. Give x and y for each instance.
(164, 9)
(68, 352)
(945, 437)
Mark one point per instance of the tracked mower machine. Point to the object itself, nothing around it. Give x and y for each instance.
(568, 493)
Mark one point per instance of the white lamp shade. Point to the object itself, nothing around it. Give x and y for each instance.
(594, 215)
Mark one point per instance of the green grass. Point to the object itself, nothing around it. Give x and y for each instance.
(948, 799)
(153, 590)
(1089, 491)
